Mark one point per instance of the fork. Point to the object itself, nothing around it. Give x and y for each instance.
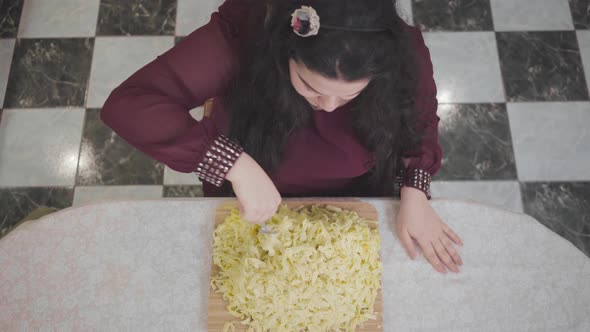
(266, 230)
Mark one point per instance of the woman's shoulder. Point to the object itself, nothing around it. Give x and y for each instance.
(420, 49)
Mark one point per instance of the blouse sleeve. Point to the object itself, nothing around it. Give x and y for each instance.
(424, 161)
(150, 109)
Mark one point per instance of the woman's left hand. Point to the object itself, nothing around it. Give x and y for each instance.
(417, 219)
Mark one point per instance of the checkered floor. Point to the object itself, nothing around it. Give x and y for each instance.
(511, 78)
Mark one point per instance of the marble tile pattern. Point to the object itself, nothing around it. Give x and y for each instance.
(502, 194)
(6, 50)
(476, 142)
(551, 140)
(59, 18)
(136, 17)
(564, 207)
(107, 159)
(39, 147)
(84, 195)
(511, 78)
(404, 9)
(173, 177)
(49, 72)
(454, 15)
(580, 13)
(116, 58)
(10, 12)
(183, 191)
(584, 44)
(531, 15)
(193, 14)
(17, 203)
(541, 66)
(459, 60)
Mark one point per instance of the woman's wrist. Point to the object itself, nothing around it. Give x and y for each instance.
(218, 160)
(415, 178)
(234, 172)
(412, 194)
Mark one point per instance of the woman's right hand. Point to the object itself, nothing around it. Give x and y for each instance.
(257, 194)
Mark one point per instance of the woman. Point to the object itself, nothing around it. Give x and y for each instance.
(311, 98)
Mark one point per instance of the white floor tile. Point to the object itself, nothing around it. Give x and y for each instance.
(39, 147)
(502, 194)
(58, 18)
(551, 140)
(116, 58)
(466, 66)
(404, 8)
(584, 44)
(172, 177)
(193, 14)
(197, 113)
(6, 50)
(531, 15)
(96, 194)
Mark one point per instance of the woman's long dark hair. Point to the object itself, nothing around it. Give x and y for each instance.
(266, 109)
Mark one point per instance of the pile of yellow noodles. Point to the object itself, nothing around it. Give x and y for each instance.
(319, 272)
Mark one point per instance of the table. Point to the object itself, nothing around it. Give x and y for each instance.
(145, 265)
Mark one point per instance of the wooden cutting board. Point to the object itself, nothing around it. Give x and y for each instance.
(218, 314)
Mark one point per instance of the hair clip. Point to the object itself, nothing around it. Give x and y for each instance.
(305, 21)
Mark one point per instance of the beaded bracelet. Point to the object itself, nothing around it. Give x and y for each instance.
(218, 160)
(415, 178)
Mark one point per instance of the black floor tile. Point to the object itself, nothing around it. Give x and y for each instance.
(107, 159)
(49, 73)
(183, 191)
(541, 66)
(137, 17)
(17, 203)
(476, 142)
(456, 15)
(10, 12)
(580, 13)
(564, 207)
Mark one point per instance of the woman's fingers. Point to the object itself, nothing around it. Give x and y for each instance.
(452, 235)
(407, 242)
(451, 249)
(270, 210)
(259, 215)
(431, 256)
(251, 215)
(444, 256)
(258, 196)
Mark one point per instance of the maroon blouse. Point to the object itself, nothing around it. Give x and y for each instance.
(150, 110)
